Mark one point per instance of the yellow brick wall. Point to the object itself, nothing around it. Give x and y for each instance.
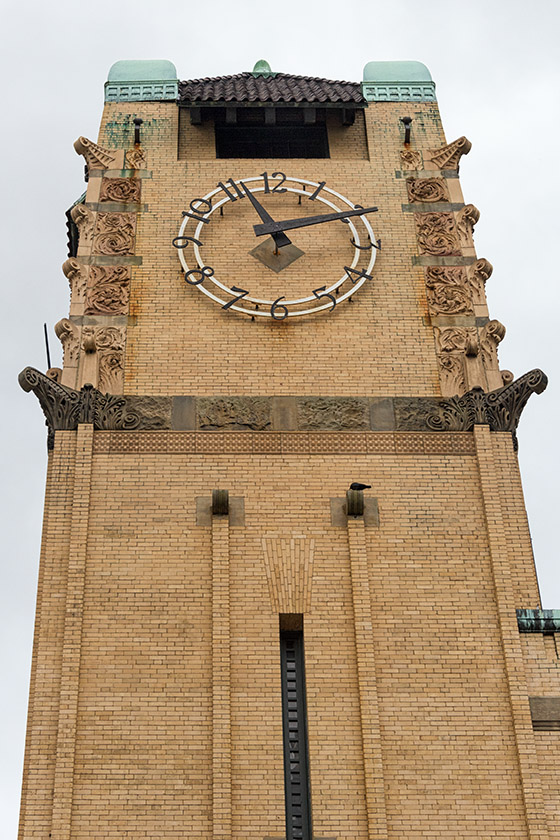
(143, 747)
(181, 342)
(417, 678)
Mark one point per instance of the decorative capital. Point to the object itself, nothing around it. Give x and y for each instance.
(65, 408)
(448, 157)
(500, 409)
(95, 156)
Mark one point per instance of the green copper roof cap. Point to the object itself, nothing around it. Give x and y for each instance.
(155, 70)
(398, 81)
(142, 81)
(262, 68)
(396, 71)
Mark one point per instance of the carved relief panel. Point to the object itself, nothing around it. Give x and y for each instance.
(437, 234)
(107, 291)
(448, 290)
(427, 189)
(114, 233)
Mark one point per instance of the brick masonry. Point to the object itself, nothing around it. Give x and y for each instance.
(155, 696)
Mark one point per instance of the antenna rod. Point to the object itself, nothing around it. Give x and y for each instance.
(47, 347)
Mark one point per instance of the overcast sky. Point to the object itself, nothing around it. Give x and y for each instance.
(495, 64)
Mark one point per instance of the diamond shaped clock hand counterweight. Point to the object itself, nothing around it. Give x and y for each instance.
(280, 239)
(271, 228)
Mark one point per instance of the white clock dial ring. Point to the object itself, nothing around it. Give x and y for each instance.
(202, 210)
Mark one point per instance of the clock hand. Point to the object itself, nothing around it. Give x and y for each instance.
(289, 224)
(280, 239)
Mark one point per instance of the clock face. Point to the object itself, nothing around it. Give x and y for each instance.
(276, 247)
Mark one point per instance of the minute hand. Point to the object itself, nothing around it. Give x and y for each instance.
(290, 224)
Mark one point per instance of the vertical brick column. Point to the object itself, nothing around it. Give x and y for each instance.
(221, 681)
(513, 656)
(40, 749)
(70, 673)
(369, 705)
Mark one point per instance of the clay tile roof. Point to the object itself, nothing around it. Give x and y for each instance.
(280, 87)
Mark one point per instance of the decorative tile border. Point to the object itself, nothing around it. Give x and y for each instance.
(283, 443)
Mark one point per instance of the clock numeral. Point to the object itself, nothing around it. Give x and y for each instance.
(362, 247)
(193, 214)
(325, 295)
(229, 193)
(179, 243)
(354, 275)
(264, 176)
(314, 195)
(235, 299)
(278, 310)
(276, 187)
(204, 272)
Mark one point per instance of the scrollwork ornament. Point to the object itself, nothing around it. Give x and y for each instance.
(69, 335)
(490, 336)
(84, 220)
(120, 189)
(466, 220)
(135, 159)
(448, 290)
(108, 290)
(437, 234)
(410, 159)
(77, 278)
(114, 233)
(452, 373)
(110, 347)
(427, 189)
(479, 273)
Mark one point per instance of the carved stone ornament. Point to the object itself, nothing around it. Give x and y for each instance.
(65, 407)
(135, 159)
(437, 234)
(448, 290)
(448, 157)
(114, 233)
(333, 413)
(500, 409)
(120, 189)
(231, 413)
(95, 156)
(479, 273)
(452, 373)
(466, 220)
(84, 220)
(109, 343)
(427, 189)
(457, 339)
(490, 336)
(77, 278)
(69, 336)
(108, 290)
(410, 159)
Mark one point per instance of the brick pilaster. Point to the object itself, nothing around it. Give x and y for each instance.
(369, 705)
(513, 656)
(71, 652)
(221, 681)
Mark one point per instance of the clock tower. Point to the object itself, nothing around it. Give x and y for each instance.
(286, 584)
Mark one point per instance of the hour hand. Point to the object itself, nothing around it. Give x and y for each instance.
(280, 238)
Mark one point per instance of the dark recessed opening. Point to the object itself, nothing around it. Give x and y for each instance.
(272, 141)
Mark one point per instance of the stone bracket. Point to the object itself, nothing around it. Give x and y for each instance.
(204, 510)
(339, 511)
